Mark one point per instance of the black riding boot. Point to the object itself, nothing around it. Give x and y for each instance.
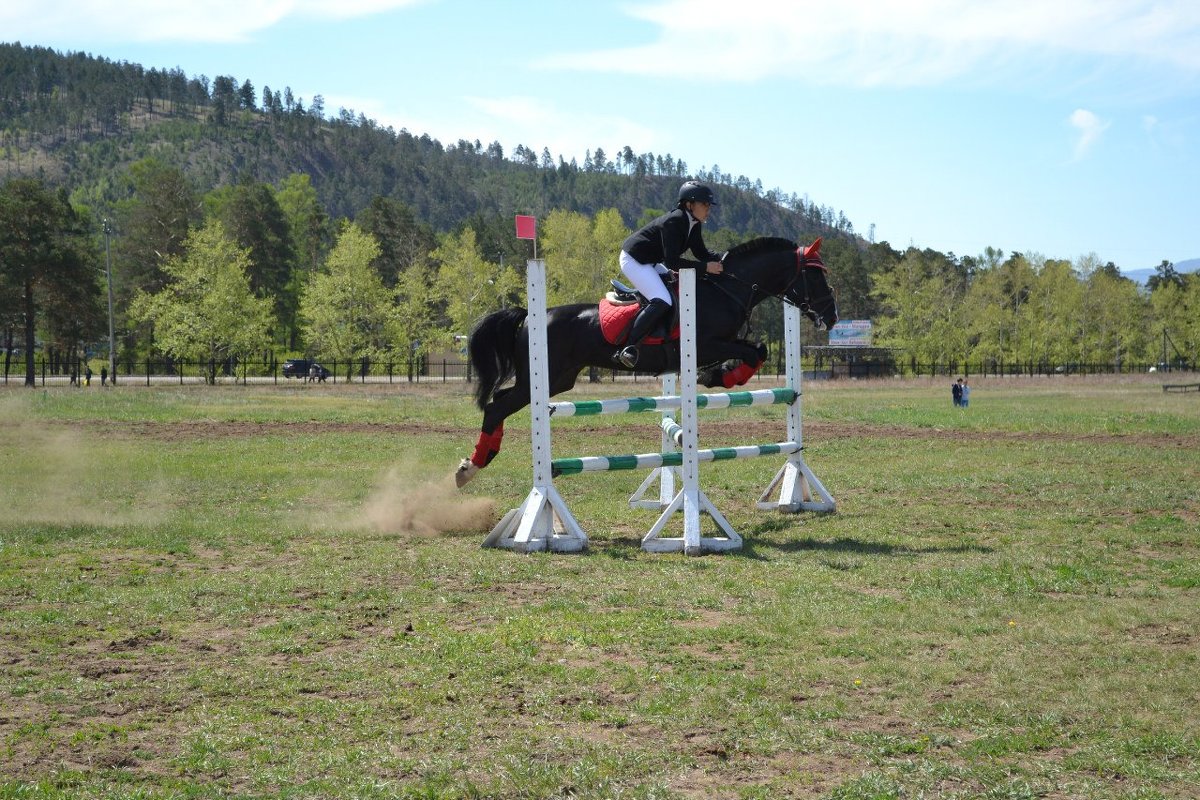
(647, 319)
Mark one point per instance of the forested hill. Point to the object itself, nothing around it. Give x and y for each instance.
(78, 120)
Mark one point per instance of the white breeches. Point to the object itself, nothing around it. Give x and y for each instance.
(644, 278)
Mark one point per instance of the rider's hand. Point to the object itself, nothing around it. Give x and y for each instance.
(715, 267)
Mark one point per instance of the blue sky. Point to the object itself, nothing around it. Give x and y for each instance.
(1064, 128)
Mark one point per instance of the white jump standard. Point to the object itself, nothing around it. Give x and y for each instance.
(543, 521)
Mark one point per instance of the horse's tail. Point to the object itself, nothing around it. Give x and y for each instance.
(493, 348)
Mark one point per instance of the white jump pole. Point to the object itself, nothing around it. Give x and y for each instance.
(543, 521)
(690, 500)
(798, 488)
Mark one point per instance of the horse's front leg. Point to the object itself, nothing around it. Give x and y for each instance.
(748, 357)
(505, 403)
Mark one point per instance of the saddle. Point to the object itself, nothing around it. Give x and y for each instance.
(619, 307)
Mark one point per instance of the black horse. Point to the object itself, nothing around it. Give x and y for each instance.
(754, 271)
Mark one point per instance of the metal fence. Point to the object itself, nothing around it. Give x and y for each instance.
(151, 372)
(1001, 369)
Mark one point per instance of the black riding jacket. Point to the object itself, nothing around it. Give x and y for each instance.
(665, 239)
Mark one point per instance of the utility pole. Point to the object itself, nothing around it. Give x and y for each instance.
(112, 339)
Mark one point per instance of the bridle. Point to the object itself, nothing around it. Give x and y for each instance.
(802, 266)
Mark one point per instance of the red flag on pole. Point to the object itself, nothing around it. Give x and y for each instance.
(526, 227)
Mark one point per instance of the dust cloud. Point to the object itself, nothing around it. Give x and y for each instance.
(56, 475)
(401, 505)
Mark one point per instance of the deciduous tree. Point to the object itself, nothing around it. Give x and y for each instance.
(207, 310)
(344, 307)
(470, 286)
(254, 220)
(151, 226)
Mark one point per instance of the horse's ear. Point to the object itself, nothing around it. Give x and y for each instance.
(814, 249)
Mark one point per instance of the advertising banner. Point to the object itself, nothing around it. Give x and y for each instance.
(851, 333)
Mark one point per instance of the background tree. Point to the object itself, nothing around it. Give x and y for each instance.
(608, 233)
(207, 310)
(1176, 310)
(922, 300)
(1164, 273)
(495, 239)
(11, 316)
(574, 265)
(152, 223)
(1118, 327)
(403, 239)
(413, 330)
(469, 286)
(851, 270)
(253, 218)
(581, 254)
(307, 223)
(345, 308)
(46, 259)
(73, 315)
(309, 237)
(1053, 316)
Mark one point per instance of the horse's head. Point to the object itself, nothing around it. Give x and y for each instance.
(810, 290)
(774, 267)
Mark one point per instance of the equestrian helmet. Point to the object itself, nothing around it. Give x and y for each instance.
(695, 191)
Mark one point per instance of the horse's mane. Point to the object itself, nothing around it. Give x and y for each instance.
(760, 245)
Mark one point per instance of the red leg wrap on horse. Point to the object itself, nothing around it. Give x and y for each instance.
(487, 447)
(739, 375)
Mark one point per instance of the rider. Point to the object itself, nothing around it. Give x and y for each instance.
(658, 247)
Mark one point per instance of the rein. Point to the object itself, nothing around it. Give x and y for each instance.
(748, 310)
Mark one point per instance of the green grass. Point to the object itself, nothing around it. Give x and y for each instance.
(197, 601)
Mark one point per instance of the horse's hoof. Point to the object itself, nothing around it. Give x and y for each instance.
(466, 471)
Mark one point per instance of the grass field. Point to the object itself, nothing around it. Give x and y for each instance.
(274, 592)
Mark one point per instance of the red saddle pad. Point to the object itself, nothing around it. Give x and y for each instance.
(616, 320)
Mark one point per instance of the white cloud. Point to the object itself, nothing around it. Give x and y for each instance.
(155, 20)
(897, 42)
(1090, 128)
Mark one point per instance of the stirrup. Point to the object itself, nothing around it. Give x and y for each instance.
(627, 356)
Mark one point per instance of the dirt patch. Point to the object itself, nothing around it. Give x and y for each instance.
(720, 773)
(1170, 637)
(706, 618)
